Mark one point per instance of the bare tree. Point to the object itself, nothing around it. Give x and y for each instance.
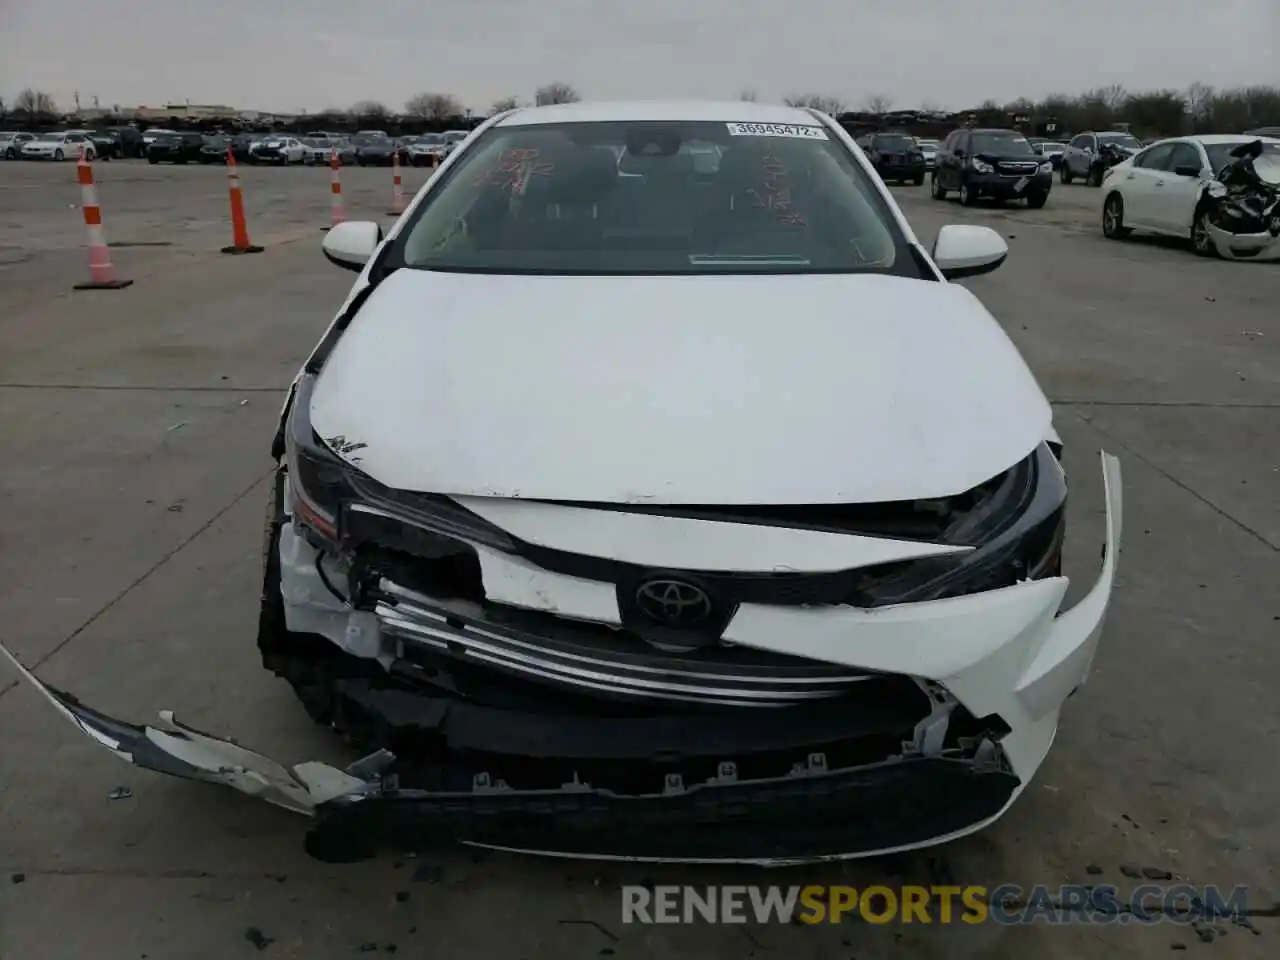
(503, 105)
(371, 110)
(433, 106)
(931, 106)
(747, 96)
(1199, 104)
(1114, 96)
(816, 101)
(555, 92)
(34, 103)
(3, 111)
(878, 103)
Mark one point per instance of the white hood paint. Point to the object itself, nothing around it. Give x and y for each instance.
(695, 390)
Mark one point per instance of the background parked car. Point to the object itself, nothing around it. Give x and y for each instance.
(374, 151)
(149, 137)
(240, 144)
(11, 142)
(347, 151)
(317, 149)
(176, 147)
(61, 145)
(454, 137)
(1162, 189)
(991, 162)
(896, 156)
(425, 150)
(1051, 150)
(278, 149)
(1090, 154)
(107, 144)
(130, 140)
(929, 148)
(214, 149)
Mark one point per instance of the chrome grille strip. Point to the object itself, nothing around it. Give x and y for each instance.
(414, 618)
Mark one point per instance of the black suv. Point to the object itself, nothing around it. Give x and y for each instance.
(895, 156)
(176, 147)
(991, 163)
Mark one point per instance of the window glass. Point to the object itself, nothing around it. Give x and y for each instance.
(1155, 158)
(686, 198)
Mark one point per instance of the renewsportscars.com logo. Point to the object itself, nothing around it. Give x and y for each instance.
(1007, 904)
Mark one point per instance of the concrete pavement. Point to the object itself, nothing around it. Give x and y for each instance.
(135, 429)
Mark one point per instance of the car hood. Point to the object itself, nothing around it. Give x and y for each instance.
(683, 390)
(995, 156)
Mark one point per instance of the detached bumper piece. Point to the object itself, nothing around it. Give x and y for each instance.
(811, 814)
(672, 787)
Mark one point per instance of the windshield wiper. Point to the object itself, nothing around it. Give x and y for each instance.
(747, 259)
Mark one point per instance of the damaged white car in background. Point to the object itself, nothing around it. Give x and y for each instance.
(686, 515)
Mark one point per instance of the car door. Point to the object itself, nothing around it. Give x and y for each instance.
(72, 144)
(1177, 189)
(956, 159)
(1080, 154)
(1137, 185)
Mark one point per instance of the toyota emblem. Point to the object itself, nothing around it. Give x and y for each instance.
(674, 603)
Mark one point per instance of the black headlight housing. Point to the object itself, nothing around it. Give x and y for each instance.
(1016, 534)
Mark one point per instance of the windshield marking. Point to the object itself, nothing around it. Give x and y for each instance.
(777, 192)
(513, 171)
(794, 130)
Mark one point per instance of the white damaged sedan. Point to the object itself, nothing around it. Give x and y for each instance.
(636, 509)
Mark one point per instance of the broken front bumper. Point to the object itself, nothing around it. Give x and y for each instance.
(1006, 657)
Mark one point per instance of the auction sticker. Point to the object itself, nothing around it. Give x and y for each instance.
(794, 130)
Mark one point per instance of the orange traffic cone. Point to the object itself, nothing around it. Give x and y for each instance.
(102, 275)
(239, 230)
(336, 212)
(397, 192)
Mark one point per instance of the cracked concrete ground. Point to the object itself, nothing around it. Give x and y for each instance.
(134, 435)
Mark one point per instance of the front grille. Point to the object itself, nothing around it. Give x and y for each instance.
(592, 658)
(1017, 167)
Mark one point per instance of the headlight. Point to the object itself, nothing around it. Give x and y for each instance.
(1046, 167)
(981, 166)
(340, 506)
(1016, 530)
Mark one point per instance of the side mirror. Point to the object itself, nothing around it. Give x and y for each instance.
(350, 245)
(962, 251)
(1187, 170)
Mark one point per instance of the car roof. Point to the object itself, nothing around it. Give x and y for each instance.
(1211, 138)
(996, 130)
(657, 110)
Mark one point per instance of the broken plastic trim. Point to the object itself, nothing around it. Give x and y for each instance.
(184, 752)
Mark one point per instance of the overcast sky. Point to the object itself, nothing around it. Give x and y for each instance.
(291, 55)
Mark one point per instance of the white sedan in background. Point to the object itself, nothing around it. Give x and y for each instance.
(1160, 188)
(63, 145)
(317, 149)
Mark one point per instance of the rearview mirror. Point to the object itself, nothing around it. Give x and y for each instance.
(1187, 170)
(350, 245)
(962, 250)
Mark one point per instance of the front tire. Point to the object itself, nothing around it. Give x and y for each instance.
(919, 180)
(1064, 173)
(1094, 178)
(968, 196)
(1201, 240)
(59, 155)
(938, 190)
(1036, 201)
(1113, 227)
